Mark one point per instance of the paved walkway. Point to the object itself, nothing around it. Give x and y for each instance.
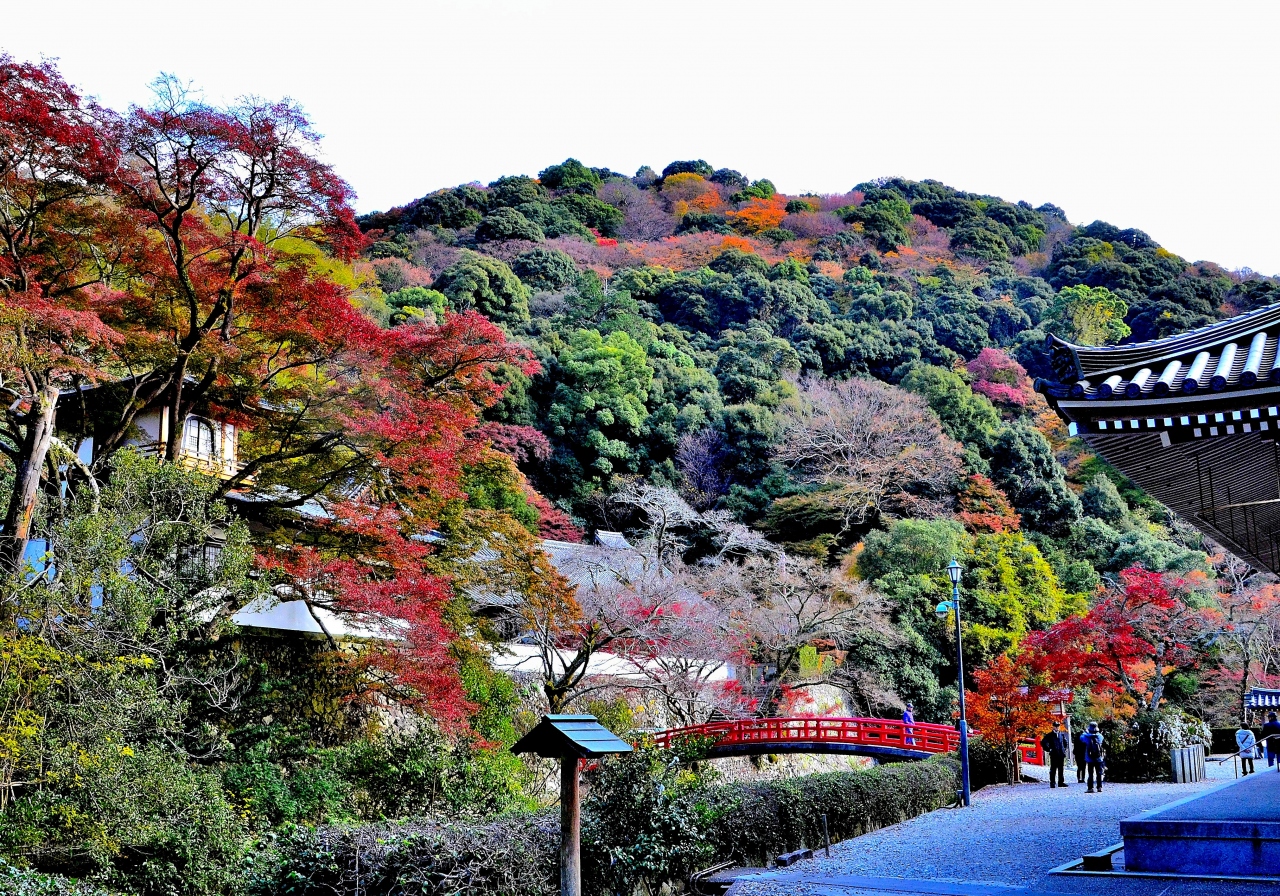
(1009, 837)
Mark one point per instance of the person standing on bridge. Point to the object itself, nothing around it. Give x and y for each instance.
(1056, 744)
(909, 718)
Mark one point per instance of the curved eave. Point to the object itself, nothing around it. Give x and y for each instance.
(1242, 358)
(1085, 361)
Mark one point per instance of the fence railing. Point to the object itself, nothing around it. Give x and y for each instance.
(917, 736)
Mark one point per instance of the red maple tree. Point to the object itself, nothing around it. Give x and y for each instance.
(1130, 641)
(218, 229)
(1006, 706)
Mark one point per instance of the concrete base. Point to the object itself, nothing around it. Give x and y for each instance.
(1233, 829)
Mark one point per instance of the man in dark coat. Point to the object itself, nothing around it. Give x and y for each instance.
(1094, 755)
(1271, 737)
(1055, 745)
(1078, 748)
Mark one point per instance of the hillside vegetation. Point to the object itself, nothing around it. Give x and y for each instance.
(689, 326)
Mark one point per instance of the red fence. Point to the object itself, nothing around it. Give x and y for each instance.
(925, 738)
(917, 736)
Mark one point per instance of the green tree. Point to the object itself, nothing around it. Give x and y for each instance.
(569, 175)
(1023, 465)
(967, 417)
(115, 685)
(751, 365)
(547, 269)
(412, 301)
(507, 224)
(598, 408)
(1088, 315)
(592, 213)
(1009, 590)
(512, 191)
(1102, 499)
(554, 220)
(487, 285)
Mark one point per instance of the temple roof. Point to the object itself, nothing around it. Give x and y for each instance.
(1192, 419)
(1233, 353)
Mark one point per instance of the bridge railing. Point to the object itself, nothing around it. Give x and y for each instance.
(919, 736)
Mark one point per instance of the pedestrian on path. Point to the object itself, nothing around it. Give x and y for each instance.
(909, 718)
(1093, 756)
(1272, 727)
(1056, 744)
(1077, 748)
(1247, 745)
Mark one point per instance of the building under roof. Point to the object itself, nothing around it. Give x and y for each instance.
(1192, 419)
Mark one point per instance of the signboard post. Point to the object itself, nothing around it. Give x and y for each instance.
(570, 738)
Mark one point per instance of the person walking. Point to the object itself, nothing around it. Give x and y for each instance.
(1093, 756)
(909, 718)
(1077, 748)
(1271, 737)
(1055, 744)
(1246, 745)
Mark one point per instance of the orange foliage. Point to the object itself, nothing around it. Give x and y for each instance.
(1006, 706)
(707, 202)
(687, 188)
(760, 214)
(984, 508)
(830, 269)
(736, 242)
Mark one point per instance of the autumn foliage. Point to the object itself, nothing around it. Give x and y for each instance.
(1130, 641)
(1006, 705)
(759, 214)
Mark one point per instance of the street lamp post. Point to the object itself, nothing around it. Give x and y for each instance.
(954, 570)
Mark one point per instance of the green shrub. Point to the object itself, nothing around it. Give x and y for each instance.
(647, 823)
(643, 824)
(751, 823)
(21, 882)
(511, 857)
(145, 822)
(986, 764)
(1138, 750)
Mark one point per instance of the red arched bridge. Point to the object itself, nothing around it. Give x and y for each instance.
(886, 739)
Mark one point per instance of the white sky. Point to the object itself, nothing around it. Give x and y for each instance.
(1161, 116)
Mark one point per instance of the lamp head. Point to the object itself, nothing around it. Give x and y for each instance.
(954, 570)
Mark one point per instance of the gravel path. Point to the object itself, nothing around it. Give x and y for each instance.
(1010, 836)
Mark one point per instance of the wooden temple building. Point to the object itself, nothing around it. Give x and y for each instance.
(1193, 419)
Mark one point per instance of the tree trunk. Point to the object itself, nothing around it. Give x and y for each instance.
(177, 421)
(26, 480)
(1246, 650)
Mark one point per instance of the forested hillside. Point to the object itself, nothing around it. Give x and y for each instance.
(689, 324)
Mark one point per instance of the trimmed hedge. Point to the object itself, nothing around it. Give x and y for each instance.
(518, 856)
(22, 882)
(754, 822)
(513, 857)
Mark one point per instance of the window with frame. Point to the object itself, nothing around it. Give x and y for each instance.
(200, 439)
